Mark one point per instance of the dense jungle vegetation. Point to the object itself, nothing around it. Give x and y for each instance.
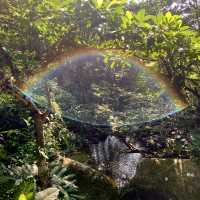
(39, 151)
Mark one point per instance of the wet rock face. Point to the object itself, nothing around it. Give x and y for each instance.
(147, 179)
(164, 179)
(144, 194)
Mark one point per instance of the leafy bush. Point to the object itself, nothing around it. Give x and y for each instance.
(64, 181)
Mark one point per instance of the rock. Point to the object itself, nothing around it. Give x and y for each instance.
(164, 179)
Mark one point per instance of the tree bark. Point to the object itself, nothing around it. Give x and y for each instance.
(8, 61)
(88, 172)
(39, 119)
(43, 171)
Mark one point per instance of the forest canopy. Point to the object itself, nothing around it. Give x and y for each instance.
(34, 31)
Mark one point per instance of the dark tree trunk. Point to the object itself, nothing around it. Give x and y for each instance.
(8, 61)
(43, 171)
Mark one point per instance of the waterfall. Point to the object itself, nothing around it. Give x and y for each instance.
(110, 156)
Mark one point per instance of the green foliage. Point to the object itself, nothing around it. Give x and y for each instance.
(16, 132)
(25, 190)
(176, 48)
(6, 185)
(107, 4)
(19, 183)
(34, 31)
(45, 28)
(64, 181)
(57, 137)
(3, 152)
(17, 190)
(165, 38)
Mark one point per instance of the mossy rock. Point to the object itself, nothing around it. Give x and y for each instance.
(164, 179)
(96, 189)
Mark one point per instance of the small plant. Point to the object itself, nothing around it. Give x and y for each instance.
(19, 183)
(64, 181)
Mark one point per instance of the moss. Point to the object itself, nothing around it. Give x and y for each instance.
(92, 183)
(95, 185)
(82, 156)
(95, 188)
(164, 179)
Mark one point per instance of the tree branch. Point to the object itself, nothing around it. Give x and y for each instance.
(39, 118)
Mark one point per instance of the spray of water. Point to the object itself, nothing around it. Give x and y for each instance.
(101, 89)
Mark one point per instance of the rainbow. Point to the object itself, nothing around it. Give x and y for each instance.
(165, 86)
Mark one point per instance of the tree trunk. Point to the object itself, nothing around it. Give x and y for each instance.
(39, 119)
(43, 171)
(8, 61)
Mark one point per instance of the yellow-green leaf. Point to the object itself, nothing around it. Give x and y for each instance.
(98, 3)
(169, 17)
(22, 197)
(112, 65)
(129, 15)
